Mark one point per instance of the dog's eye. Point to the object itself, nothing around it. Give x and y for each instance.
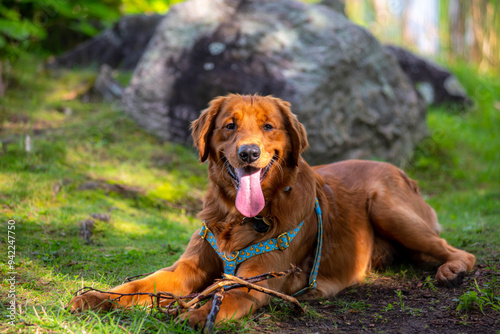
(268, 127)
(231, 126)
(260, 226)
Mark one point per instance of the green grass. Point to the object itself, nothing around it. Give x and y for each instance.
(49, 191)
(480, 298)
(44, 192)
(458, 167)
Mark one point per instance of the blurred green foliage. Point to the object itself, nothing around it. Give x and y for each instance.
(52, 26)
(147, 6)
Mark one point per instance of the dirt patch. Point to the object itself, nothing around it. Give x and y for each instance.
(393, 305)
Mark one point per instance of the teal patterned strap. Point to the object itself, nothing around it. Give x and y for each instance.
(317, 258)
(233, 259)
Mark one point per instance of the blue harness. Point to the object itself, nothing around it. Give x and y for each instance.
(232, 260)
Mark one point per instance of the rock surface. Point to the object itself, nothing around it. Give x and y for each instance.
(351, 95)
(436, 84)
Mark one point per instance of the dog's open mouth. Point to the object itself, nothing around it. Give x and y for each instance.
(234, 174)
(247, 180)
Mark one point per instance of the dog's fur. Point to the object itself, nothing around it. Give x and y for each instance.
(372, 212)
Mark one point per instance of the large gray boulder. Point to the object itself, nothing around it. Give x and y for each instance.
(351, 95)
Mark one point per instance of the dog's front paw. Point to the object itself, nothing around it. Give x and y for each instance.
(451, 274)
(91, 300)
(195, 318)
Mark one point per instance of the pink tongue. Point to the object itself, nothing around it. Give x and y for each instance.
(249, 200)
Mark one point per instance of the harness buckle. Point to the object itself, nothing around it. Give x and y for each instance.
(283, 240)
(231, 258)
(204, 231)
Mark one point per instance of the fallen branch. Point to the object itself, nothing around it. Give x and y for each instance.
(274, 293)
(217, 302)
(154, 296)
(133, 278)
(177, 304)
(229, 284)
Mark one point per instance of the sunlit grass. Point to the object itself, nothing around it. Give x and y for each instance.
(44, 192)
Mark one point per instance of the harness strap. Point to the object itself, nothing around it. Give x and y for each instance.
(232, 260)
(317, 257)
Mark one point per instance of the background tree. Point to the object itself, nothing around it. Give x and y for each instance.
(462, 30)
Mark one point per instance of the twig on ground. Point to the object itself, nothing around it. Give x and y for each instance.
(210, 323)
(216, 290)
(133, 278)
(274, 293)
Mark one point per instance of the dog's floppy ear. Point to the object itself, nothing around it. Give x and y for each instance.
(201, 129)
(295, 129)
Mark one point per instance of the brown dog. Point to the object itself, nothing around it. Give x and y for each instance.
(261, 188)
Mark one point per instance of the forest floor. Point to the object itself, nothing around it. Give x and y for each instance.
(395, 305)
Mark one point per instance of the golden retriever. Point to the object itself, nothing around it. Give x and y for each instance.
(261, 188)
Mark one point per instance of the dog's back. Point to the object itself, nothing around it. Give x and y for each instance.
(369, 183)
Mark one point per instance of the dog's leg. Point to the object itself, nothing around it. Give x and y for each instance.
(237, 303)
(413, 224)
(196, 269)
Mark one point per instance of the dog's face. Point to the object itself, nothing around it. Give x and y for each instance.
(249, 140)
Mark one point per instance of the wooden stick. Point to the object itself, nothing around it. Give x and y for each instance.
(216, 290)
(287, 298)
(227, 285)
(133, 278)
(210, 323)
(158, 295)
(272, 274)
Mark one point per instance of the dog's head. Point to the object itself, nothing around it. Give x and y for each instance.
(249, 140)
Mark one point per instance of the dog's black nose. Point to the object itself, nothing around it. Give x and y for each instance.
(249, 153)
